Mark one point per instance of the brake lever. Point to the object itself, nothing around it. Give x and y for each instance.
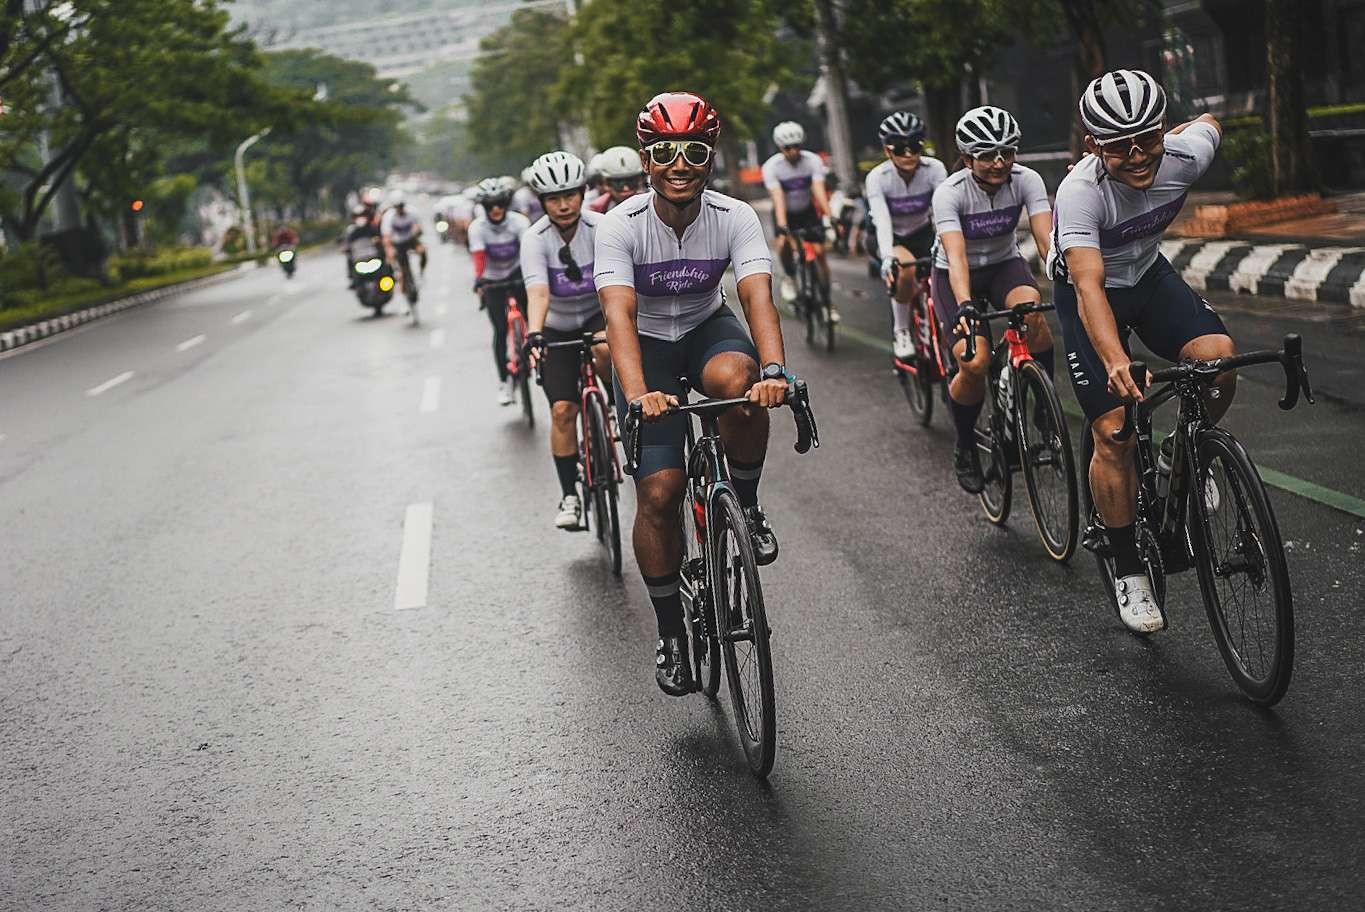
(1295, 374)
(1138, 371)
(630, 430)
(807, 434)
(970, 314)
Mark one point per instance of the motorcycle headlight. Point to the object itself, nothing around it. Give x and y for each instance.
(442, 225)
(386, 283)
(368, 267)
(286, 256)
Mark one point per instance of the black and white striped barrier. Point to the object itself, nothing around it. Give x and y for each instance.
(1331, 275)
(24, 335)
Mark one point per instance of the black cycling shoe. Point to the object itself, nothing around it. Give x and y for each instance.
(673, 668)
(967, 464)
(762, 535)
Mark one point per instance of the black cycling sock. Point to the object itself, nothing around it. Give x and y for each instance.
(964, 419)
(1127, 561)
(663, 593)
(745, 478)
(566, 467)
(1047, 359)
(788, 261)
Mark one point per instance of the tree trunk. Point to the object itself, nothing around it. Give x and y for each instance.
(1290, 169)
(836, 95)
(941, 109)
(1091, 57)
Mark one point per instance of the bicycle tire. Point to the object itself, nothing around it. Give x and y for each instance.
(706, 656)
(604, 484)
(806, 296)
(998, 493)
(1243, 497)
(1035, 391)
(738, 600)
(825, 311)
(1148, 548)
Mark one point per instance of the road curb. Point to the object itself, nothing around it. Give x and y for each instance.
(43, 329)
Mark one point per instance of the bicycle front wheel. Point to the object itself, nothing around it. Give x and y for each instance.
(995, 464)
(1049, 468)
(743, 628)
(604, 482)
(1242, 571)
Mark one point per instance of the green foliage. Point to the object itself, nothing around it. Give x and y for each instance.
(139, 264)
(1248, 152)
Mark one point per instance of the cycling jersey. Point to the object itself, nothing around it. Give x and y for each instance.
(1125, 225)
(678, 281)
(572, 304)
(501, 242)
(525, 201)
(399, 228)
(794, 181)
(900, 207)
(987, 222)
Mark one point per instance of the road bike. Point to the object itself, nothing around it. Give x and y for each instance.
(928, 370)
(812, 302)
(722, 597)
(599, 469)
(407, 280)
(518, 367)
(1201, 503)
(1022, 428)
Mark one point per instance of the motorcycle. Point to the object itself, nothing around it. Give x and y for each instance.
(371, 277)
(286, 256)
(443, 229)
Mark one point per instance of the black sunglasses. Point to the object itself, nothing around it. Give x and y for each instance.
(571, 268)
(620, 184)
(903, 148)
(791, 147)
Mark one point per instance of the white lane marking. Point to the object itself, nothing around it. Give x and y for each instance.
(109, 384)
(431, 394)
(438, 338)
(190, 342)
(241, 317)
(414, 562)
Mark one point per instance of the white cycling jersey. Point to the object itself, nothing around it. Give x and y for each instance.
(525, 201)
(571, 303)
(677, 282)
(1125, 225)
(898, 206)
(398, 228)
(500, 242)
(795, 181)
(987, 222)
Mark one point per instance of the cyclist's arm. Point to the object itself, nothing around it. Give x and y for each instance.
(619, 306)
(1085, 266)
(753, 265)
(820, 194)
(537, 307)
(1040, 226)
(959, 274)
(779, 199)
(1202, 118)
(881, 220)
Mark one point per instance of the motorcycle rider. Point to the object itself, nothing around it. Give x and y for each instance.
(362, 227)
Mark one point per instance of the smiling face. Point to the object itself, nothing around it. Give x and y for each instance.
(563, 207)
(1132, 162)
(991, 170)
(678, 182)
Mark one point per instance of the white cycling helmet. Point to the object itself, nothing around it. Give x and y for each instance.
(621, 162)
(471, 193)
(985, 129)
(371, 196)
(1121, 104)
(788, 133)
(396, 198)
(594, 169)
(556, 172)
(493, 191)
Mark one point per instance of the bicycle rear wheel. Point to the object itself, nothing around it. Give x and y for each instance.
(744, 633)
(1242, 571)
(1049, 468)
(604, 494)
(995, 465)
(516, 343)
(826, 323)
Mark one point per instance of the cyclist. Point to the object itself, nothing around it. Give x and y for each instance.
(596, 184)
(977, 258)
(659, 261)
(795, 180)
(525, 200)
(1110, 279)
(402, 234)
(899, 193)
(495, 245)
(623, 176)
(461, 214)
(557, 263)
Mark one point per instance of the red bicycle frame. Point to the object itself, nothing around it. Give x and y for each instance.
(940, 353)
(589, 389)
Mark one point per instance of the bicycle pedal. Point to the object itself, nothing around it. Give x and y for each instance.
(1096, 540)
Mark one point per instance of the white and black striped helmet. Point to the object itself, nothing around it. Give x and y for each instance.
(556, 172)
(1121, 104)
(902, 126)
(986, 129)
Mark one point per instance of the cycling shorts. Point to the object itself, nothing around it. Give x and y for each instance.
(664, 362)
(1164, 311)
(561, 364)
(920, 243)
(797, 221)
(993, 282)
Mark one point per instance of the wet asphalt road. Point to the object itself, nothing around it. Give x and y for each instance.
(209, 700)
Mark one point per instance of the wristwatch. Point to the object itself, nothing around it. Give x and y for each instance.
(774, 371)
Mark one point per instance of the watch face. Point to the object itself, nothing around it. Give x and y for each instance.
(773, 372)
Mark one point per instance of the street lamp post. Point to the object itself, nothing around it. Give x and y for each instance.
(243, 196)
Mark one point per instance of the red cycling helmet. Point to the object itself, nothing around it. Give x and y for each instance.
(677, 115)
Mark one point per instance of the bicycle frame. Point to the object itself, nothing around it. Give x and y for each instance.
(942, 354)
(588, 389)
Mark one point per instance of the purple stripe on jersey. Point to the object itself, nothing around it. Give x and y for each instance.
(504, 250)
(909, 205)
(795, 183)
(561, 286)
(1141, 226)
(979, 225)
(679, 277)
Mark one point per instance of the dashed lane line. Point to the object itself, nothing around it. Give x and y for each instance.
(191, 342)
(431, 395)
(241, 317)
(109, 384)
(414, 561)
(438, 338)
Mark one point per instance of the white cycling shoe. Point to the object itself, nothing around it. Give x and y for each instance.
(1138, 608)
(903, 344)
(507, 392)
(570, 515)
(788, 289)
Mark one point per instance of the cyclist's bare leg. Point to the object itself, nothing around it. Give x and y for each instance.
(563, 429)
(744, 430)
(906, 289)
(1113, 475)
(601, 362)
(422, 254)
(1218, 399)
(657, 536)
